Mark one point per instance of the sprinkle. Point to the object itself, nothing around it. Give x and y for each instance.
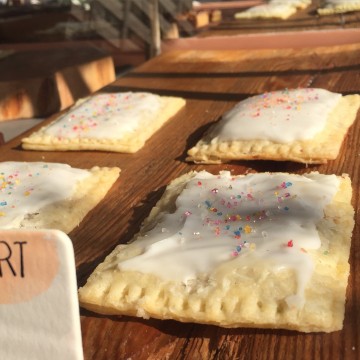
(199, 183)
(3, 203)
(247, 229)
(187, 213)
(2, 213)
(285, 185)
(290, 243)
(215, 191)
(235, 253)
(326, 253)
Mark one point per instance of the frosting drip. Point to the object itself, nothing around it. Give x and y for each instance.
(269, 218)
(106, 116)
(280, 116)
(27, 187)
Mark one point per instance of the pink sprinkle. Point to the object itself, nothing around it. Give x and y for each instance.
(290, 243)
(187, 213)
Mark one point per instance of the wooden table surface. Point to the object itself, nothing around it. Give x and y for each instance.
(211, 82)
(303, 19)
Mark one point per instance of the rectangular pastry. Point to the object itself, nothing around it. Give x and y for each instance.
(265, 250)
(119, 122)
(305, 125)
(329, 7)
(267, 11)
(299, 4)
(42, 195)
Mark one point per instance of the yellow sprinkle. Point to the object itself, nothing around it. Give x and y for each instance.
(2, 213)
(252, 246)
(26, 193)
(247, 229)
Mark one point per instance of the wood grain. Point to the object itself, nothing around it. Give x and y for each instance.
(211, 82)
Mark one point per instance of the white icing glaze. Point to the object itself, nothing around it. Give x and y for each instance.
(280, 116)
(26, 187)
(220, 219)
(268, 9)
(107, 116)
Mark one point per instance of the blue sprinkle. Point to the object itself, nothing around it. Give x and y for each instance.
(3, 203)
(238, 248)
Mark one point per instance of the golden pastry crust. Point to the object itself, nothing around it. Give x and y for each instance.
(241, 297)
(318, 150)
(127, 143)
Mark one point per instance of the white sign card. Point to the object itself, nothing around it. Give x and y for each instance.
(39, 308)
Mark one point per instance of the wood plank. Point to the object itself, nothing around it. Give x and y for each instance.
(41, 82)
(293, 39)
(211, 81)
